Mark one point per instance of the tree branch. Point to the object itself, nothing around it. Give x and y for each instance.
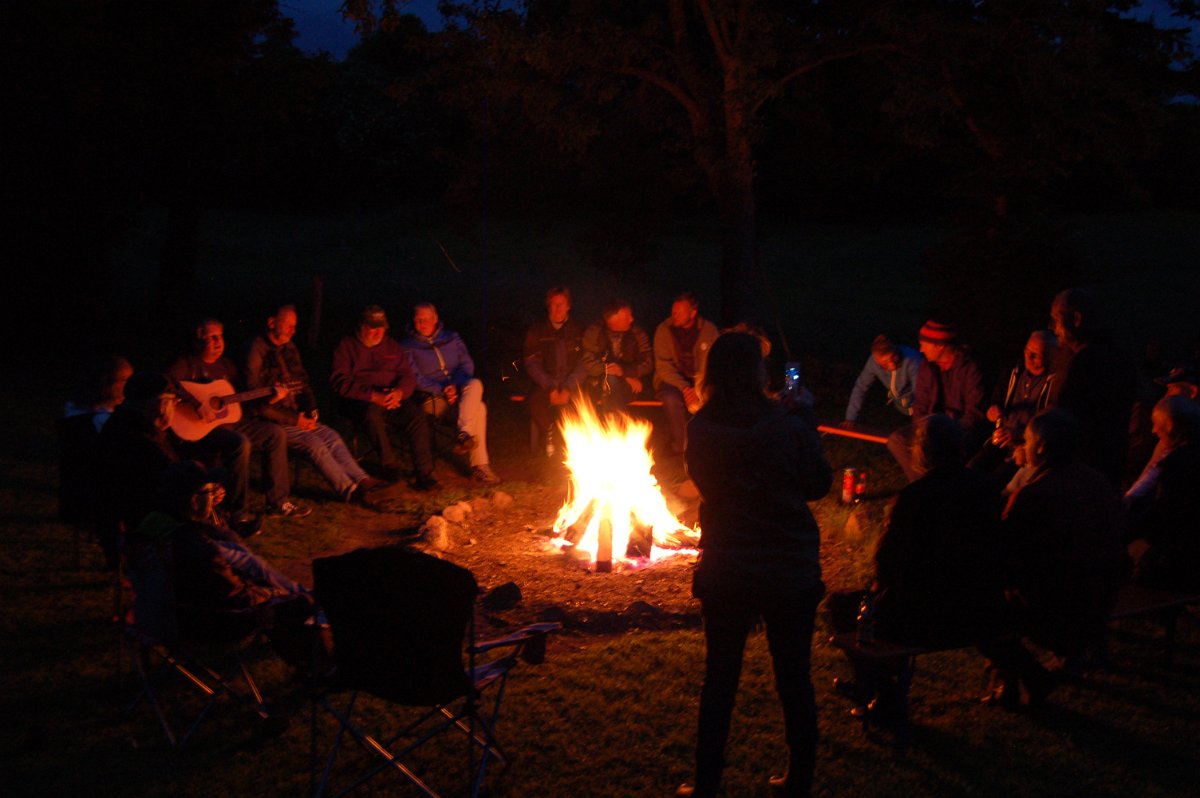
(720, 38)
(804, 69)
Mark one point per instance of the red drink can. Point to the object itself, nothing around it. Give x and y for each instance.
(849, 480)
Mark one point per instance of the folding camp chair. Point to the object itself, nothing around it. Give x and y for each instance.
(399, 620)
(204, 648)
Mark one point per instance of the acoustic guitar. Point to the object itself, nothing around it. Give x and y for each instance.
(225, 402)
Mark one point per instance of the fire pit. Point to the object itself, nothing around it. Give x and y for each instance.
(615, 510)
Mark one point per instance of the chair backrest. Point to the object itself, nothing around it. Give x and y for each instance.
(79, 491)
(399, 619)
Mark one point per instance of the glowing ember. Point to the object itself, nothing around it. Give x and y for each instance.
(612, 488)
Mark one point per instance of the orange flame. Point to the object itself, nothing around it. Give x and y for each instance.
(612, 485)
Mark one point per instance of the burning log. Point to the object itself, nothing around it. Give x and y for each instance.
(614, 502)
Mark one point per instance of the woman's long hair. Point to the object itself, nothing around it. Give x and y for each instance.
(735, 377)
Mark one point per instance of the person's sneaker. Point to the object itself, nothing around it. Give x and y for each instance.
(369, 484)
(484, 473)
(464, 444)
(289, 509)
(424, 482)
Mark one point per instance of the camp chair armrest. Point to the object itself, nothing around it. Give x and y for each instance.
(517, 638)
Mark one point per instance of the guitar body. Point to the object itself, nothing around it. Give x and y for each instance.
(188, 425)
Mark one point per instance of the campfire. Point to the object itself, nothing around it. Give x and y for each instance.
(615, 509)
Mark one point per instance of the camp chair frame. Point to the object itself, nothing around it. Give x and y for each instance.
(209, 662)
(473, 710)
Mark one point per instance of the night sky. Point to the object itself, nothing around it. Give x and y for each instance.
(320, 26)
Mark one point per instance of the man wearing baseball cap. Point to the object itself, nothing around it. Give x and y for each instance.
(373, 381)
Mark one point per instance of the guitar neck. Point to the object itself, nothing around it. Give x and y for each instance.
(246, 396)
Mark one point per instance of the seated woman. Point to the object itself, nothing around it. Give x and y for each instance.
(1062, 558)
(936, 564)
(1165, 513)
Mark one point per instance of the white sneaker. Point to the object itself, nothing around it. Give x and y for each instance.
(484, 473)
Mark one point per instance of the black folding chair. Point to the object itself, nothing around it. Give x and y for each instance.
(203, 648)
(401, 621)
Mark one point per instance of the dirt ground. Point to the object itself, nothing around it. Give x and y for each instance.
(506, 538)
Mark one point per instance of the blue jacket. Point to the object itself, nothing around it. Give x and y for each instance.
(439, 360)
(906, 383)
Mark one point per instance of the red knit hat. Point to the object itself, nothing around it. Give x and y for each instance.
(938, 332)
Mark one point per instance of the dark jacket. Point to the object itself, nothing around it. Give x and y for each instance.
(956, 391)
(937, 562)
(755, 483)
(133, 454)
(1062, 539)
(630, 349)
(554, 357)
(358, 369)
(1097, 386)
(267, 365)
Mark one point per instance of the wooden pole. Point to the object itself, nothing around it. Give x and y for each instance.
(604, 546)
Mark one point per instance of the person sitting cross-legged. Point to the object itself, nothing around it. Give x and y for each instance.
(274, 360)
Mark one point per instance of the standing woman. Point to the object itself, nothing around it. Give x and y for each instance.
(757, 464)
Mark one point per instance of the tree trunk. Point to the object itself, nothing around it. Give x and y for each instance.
(735, 202)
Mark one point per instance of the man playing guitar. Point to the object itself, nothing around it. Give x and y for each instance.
(232, 442)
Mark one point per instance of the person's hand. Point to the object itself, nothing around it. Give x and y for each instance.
(388, 400)
(614, 370)
(450, 392)
(635, 384)
(1019, 458)
(993, 413)
(281, 392)
(306, 422)
(691, 398)
(559, 397)
(206, 413)
(1002, 437)
(848, 424)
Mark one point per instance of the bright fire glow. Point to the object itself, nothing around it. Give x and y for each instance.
(611, 484)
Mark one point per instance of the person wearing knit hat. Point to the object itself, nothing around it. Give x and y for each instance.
(948, 382)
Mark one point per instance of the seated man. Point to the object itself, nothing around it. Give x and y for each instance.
(894, 367)
(1165, 503)
(1025, 395)
(680, 350)
(446, 374)
(1062, 556)
(274, 360)
(232, 442)
(553, 357)
(617, 356)
(948, 382)
(373, 385)
(936, 581)
(212, 571)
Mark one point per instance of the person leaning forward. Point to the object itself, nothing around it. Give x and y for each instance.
(372, 382)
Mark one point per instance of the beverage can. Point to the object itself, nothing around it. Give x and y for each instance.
(860, 485)
(849, 480)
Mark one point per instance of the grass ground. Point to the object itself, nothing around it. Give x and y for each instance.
(606, 715)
